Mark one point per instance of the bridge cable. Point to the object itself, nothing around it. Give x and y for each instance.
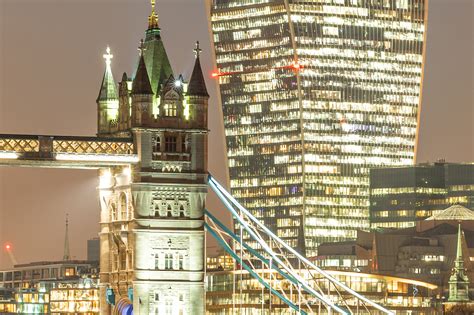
(265, 246)
(221, 192)
(215, 222)
(236, 257)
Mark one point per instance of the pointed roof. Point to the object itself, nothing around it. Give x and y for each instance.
(157, 63)
(141, 82)
(455, 213)
(459, 245)
(124, 76)
(197, 85)
(67, 255)
(458, 281)
(108, 88)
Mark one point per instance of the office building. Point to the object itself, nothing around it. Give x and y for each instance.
(401, 196)
(314, 94)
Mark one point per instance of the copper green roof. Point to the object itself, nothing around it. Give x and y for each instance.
(108, 89)
(156, 60)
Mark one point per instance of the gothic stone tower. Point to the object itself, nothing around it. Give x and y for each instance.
(152, 234)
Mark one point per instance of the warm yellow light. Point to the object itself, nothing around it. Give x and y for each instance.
(116, 158)
(9, 155)
(127, 171)
(105, 179)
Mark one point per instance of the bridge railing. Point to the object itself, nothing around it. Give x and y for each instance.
(299, 273)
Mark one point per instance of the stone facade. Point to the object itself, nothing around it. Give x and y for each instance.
(152, 220)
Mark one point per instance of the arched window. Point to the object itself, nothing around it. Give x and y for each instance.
(157, 261)
(113, 212)
(123, 259)
(169, 211)
(123, 207)
(181, 262)
(181, 211)
(170, 109)
(169, 261)
(130, 260)
(157, 143)
(184, 144)
(115, 260)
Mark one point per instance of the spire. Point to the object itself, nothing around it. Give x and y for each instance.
(141, 82)
(67, 255)
(153, 18)
(197, 85)
(458, 282)
(459, 261)
(108, 89)
(197, 50)
(459, 246)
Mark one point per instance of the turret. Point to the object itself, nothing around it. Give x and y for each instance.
(124, 103)
(142, 94)
(197, 95)
(107, 101)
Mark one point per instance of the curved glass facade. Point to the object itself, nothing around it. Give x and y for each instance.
(314, 94)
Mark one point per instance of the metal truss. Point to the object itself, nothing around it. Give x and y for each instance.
(66, 151)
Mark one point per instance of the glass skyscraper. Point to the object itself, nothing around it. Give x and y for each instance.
(314, 93)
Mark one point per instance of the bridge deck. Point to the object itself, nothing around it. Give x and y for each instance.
(65, 151)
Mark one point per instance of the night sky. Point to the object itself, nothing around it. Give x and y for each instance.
(51, 67)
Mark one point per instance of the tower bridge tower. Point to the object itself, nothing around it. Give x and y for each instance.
(152, 235)
(151, 153)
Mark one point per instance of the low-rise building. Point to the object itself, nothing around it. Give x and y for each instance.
(75, 297)
(57, 287)
(23, 276)
(426, 252)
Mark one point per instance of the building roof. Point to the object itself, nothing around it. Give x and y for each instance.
(157, 63)
(108, 88)
(141, 82)
(454, 213)
(197, 85)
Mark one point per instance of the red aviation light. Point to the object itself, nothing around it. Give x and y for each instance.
(296, 66)
(8, 247)
(215, 74)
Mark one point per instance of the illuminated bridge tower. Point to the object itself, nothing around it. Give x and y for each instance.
(151, 153)
(314, 93)
(152, 235)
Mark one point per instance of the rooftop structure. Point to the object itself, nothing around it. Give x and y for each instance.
(453, 213)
